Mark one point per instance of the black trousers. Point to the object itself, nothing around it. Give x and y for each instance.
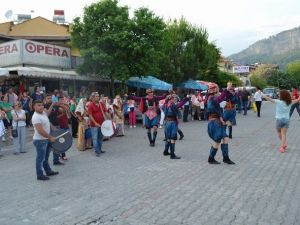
(186, 110)
(258, 106)
(74, 124)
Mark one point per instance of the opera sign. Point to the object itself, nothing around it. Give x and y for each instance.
(45, 49)
(34, 53)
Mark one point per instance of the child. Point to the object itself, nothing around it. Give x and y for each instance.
(283, 106)
(131, 112)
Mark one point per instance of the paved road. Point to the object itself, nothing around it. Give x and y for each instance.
(133, 184)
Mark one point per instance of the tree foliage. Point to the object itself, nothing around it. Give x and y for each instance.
(224, 77)
(293, 69)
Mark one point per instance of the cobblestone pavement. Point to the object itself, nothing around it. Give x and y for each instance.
(134, 184)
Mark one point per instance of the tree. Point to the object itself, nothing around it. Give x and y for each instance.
(293, 69)
(101, 37)
(258, 81)
(224, 77)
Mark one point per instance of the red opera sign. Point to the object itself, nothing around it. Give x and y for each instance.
(45, 49)
(7, 49)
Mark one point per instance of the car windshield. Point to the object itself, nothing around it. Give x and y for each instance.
(268, 91)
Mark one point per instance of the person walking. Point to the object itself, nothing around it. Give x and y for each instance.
(245, 95)
(41, 140)
(295, 95)
(19, 118)
(283, 107)
(258, 100)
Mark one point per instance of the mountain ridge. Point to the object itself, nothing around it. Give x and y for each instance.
(280, 49)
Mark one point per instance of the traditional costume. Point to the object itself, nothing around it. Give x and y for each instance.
(216, 129)
(149, 106)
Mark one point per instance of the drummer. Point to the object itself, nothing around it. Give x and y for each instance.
(41, 139)
(97, 114)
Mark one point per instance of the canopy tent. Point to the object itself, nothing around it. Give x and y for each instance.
(191, 84)
(148, 82)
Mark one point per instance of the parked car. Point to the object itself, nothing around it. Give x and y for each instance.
(271, 92)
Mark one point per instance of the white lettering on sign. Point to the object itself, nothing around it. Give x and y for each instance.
(241, 69)
(45, 49)
(7, 49)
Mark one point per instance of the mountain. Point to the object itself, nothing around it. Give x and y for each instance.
(279, 49)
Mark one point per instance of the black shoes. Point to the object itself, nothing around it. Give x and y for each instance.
(174, 157)
(152, 144)
(230, 136)
(227, 160)
(43, 177)
(181, 137)
(51, 173)
(58, 163)
(166, 153)
(212, 160)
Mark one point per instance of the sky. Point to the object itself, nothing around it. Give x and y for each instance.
(232, 25)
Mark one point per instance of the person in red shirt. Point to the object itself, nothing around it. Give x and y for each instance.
(295, 95)
(97, 114)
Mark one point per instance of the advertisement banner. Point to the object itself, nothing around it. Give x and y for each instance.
(241, 69)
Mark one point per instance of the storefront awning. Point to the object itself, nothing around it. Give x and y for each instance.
(47, 73)
(4, 72)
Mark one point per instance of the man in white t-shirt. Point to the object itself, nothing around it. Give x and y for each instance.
(258, 100)
(41, 139)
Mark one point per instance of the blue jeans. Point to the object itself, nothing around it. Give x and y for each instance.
(245, 106)
(43, 151)
(97, 137)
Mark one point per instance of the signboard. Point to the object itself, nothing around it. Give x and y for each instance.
(34, 53)
(10, 53)
(241, 69)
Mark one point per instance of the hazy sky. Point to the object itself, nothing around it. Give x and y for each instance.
(233, 24)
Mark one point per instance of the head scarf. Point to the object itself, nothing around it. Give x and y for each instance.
(80, 106)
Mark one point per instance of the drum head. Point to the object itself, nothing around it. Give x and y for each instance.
(64, 142)
(107, 128)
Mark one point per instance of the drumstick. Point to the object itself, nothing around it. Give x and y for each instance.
(59, 136)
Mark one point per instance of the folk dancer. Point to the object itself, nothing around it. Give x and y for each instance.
(171, 127)
(148, 106)
(229, 114)
(216, 129)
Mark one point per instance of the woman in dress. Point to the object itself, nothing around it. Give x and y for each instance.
(118, 116)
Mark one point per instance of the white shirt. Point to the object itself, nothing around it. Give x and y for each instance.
(21, 113)
(43, 119)
(258, 96)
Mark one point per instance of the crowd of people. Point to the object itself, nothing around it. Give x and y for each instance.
(83, 116)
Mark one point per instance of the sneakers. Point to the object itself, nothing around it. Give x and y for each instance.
(43, 177)
(160, 127)
(130, 126)
(134, 126)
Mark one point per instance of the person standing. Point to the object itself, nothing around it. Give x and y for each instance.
(97, 113)
(74, 119)
(41, 140)
(132, 115)
(118, 116)
(186, 109)
(245, 95)
(295, 95)
(19, 118)
(283, 107)
(258, 100)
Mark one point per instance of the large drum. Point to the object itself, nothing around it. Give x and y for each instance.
(108, 128)
(63, 141)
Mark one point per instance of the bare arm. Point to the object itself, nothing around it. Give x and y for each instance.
(268, 98)
(42, 132)
(296, 100)
(48, 111)
(93, 120)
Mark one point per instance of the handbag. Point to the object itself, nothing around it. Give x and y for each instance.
(14, 132)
